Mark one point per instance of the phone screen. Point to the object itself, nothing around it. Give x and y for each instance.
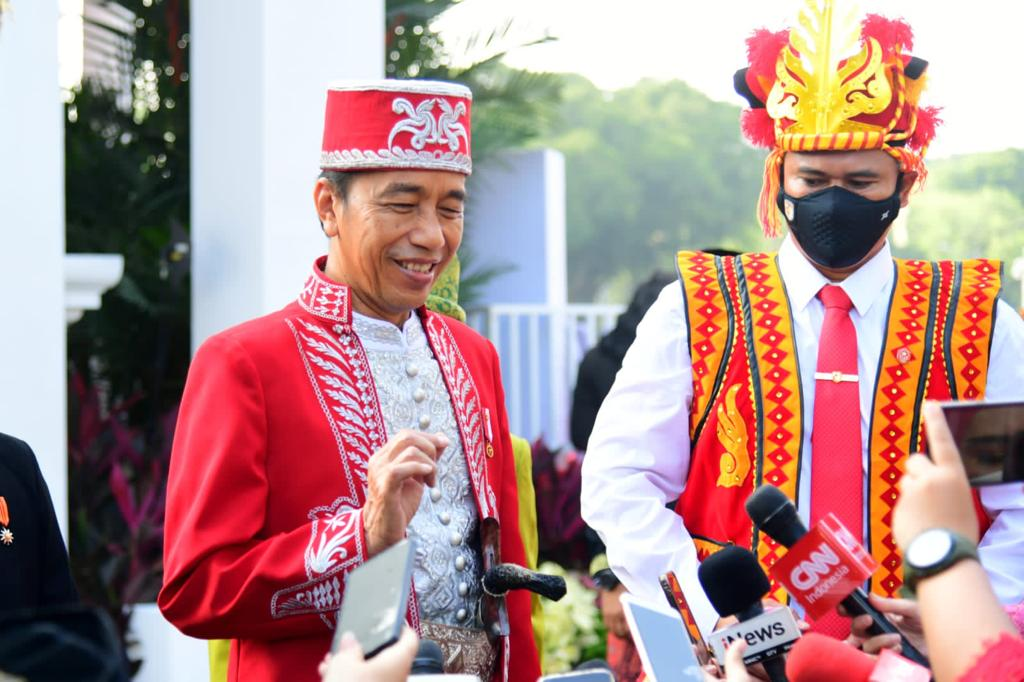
(376, 597)
(662, 642)
(674, 593)
(990, 437)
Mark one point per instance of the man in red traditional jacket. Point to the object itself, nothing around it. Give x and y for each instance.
(317, 436)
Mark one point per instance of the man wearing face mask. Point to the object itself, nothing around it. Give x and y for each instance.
(807, 368)
(314, 438)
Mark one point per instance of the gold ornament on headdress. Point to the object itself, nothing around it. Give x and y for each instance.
(827, 76)
(822, 83)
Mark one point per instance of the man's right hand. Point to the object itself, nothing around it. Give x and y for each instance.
(396, 475)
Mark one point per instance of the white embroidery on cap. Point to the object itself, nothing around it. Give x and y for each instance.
(425, 128)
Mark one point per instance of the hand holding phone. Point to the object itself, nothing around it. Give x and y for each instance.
(990, 438)
(376, 599)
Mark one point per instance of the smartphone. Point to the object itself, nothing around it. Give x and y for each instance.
(990, 437)
(661, 640)
(376, 599)
(677, 600)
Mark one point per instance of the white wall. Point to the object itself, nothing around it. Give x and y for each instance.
(33, 355)
(260, 71)
(517, 216)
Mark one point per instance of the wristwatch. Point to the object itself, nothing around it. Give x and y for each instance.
(932, 552)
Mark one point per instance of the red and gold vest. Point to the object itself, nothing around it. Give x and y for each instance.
(746, 420)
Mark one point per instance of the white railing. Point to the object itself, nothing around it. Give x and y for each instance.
(540, 348)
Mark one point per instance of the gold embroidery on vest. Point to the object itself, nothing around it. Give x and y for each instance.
(709, 328)
(734, 464)
(904, 358)
(972, 326)
(775, 362)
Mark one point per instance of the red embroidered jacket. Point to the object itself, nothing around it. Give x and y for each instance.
(268, 480)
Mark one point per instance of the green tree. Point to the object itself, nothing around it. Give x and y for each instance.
(127, 192)
(972, 206)
(650, 169)
(511, 107)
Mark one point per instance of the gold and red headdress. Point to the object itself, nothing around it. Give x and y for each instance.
(396, 124)
(833, 84)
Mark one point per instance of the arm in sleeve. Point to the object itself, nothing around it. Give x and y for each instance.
(1002, 547)
(638, 459)
(524, 661)
(56, 586)
(224, 577)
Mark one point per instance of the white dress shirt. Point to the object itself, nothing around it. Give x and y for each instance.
(639, 452)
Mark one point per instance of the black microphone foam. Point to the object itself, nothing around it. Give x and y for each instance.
(429, 659)
(733, 580)
(775, 515)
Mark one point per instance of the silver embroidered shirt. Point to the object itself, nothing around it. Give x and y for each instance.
(413, 395)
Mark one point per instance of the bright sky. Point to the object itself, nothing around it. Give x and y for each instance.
(973, 48)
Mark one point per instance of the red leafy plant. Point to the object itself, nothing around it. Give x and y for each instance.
(116, 489)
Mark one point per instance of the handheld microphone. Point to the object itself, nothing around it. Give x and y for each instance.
(775, 515)
(735, 584)
(819, 658)
(429, 659)
(498, 580)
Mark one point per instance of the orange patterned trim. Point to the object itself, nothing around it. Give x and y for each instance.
(972, 326)
(706, 548)
(709, 324)
(776, 388)
(898, 390)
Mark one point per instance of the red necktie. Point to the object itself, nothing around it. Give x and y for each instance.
(836, 475)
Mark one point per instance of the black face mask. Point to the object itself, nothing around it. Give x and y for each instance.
(835, 227)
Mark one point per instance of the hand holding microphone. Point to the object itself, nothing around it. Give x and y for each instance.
(817, 566)
(735, 585)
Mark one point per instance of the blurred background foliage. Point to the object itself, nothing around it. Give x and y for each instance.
(127, 192)
(650, 168)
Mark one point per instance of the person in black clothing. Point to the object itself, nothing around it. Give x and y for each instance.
(34, 570)
(602, 362)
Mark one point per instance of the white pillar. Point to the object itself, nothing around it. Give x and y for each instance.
(260, 70)
(33, 344)
(517, 217)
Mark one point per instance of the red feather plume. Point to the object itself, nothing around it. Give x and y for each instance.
(758, 127)
(924, 132)
(763, 48)
(890, 33)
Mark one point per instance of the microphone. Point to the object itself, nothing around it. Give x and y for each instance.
(735, 584)
(775, 515)
(429, 659)
(498, 580)
(819, 658)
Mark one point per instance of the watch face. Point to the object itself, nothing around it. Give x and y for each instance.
(929, 548)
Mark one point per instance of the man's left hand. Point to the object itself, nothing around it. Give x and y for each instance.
(903, 613)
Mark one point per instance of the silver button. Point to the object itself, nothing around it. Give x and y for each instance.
(445, 518)
(496, 629)
(435, 494)
(460, 563)
(412, 370)
(419, 395)
(461, 614)
(455, 539)
(463, 589)
(425, 421)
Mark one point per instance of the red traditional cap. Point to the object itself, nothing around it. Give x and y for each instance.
(393, 124)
